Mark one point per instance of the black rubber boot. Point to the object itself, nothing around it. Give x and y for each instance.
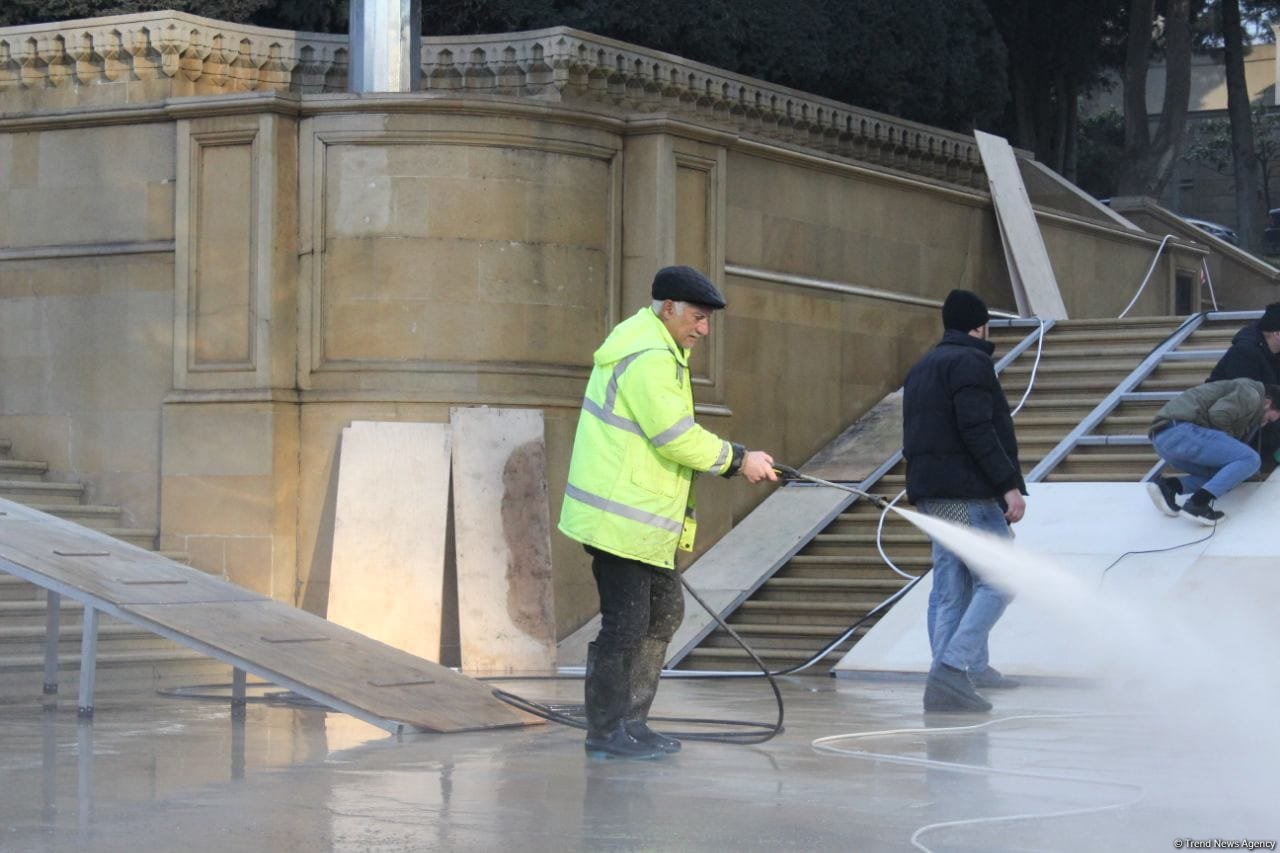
(646, 672)
(607, 693)
(949, 689)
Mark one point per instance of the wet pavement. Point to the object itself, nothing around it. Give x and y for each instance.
(1057, 767)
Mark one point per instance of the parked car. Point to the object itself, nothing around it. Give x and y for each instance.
(1217, 229)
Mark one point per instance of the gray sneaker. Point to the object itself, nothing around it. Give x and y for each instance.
(948, 689)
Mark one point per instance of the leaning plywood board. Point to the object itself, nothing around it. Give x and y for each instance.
(502, 539)
(325, 662)
(1024, 245)
(386, 579)
(737, 565)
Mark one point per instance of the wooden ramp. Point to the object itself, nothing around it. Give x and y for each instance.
(311, 656)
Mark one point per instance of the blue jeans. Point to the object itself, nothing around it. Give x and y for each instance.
(962, 606)
(1212, 460)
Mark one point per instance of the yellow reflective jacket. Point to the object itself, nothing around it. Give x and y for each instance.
(637, 448)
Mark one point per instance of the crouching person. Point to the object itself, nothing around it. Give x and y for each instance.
(1203, 432)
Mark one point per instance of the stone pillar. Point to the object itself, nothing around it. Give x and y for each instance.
(386, 45)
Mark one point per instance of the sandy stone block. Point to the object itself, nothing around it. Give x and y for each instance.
(134, 493)
(386, 330)
(744, 236)
(248, 562)
(44, 438)
(358, 205)
(788, 246)
(160, 218)
(543, 275)
(21, 328)
(525, 164)
(409, 200)
(426, 161)
(25, 161)
(372, 268)
(570, 215)
(121, 156)
(206, 553)
(74, 215)
(470, 210)
(218, 440)
(231, 505)
(116, 441)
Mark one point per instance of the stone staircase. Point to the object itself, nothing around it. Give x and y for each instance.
(130, 660)
(839, 576)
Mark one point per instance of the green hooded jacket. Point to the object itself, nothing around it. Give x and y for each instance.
(1233, 406)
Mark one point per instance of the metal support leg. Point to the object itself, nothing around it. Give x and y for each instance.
(53, 603)
(237, 693)
(88, 662)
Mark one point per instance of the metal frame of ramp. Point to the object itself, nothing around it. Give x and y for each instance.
(313, 657)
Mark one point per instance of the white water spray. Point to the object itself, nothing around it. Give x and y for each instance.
(1203, 678)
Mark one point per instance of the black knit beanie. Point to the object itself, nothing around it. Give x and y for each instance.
(964, 311)
(1270, 321)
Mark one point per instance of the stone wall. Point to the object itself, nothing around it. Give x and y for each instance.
(211, 263)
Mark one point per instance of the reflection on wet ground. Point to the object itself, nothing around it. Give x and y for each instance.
(1060, 768)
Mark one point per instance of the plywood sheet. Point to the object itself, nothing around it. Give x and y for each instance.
(502, 537)
(1020, 233)
(386, 579)
(287, 644)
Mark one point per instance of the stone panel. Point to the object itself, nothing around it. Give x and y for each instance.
(222, 286)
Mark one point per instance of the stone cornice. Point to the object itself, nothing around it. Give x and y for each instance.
(162, 56)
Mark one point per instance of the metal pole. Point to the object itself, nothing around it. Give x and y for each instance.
(88, 662)
(385, 45)
(53, 603)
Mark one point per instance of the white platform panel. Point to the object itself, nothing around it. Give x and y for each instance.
(386, 579)
(1069, 625)
(502, 536)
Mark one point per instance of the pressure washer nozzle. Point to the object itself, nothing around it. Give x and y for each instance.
(787, 471)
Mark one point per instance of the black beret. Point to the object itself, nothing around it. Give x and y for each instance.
(1270, 321)
(685, 284)
(964, 311)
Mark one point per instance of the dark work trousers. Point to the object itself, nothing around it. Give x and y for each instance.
(641, 606)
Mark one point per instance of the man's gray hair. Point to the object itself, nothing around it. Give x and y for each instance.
(679, 306)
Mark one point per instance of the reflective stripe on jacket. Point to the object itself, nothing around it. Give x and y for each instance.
(637, 448)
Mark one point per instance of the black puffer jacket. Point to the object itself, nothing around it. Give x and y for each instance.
(957, 431)
(1249, 357)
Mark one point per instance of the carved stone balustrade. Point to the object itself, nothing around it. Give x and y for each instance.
(158, 55)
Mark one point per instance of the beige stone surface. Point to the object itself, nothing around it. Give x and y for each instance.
(439, 253)
(502, 537)
(390, 525)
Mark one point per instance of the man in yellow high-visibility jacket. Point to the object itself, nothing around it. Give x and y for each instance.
(629, 501)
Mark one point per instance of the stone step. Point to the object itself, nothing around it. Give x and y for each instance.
(23, 491)
(883, 587)
(90, 515)
(17, 469)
